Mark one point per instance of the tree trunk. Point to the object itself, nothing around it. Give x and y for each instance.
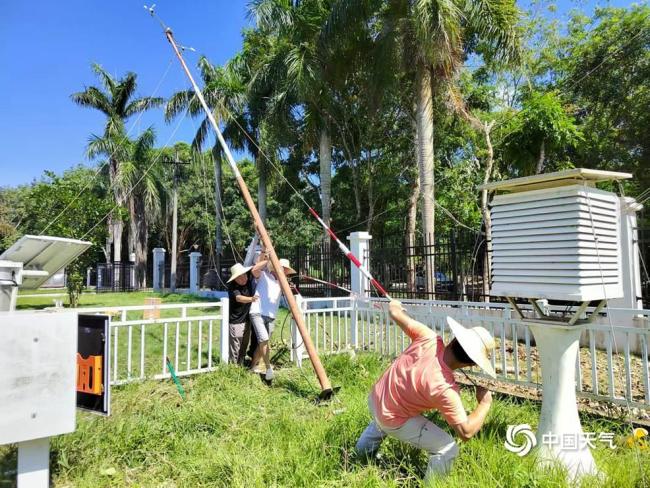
(132, 235)
(410, 238)
(118, 230)
(141, 242)
(357, 190)
(485, 211)
(117, 224)
(218, 205)
(371, 197)
(261, 187)
(325, 153)
(424, 133)
(541, 159)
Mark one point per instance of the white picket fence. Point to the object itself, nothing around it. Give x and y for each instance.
(611, 367)
(188, 333)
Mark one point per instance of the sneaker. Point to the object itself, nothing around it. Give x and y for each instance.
(269, 374)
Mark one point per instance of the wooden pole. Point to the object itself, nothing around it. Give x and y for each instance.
(326, 387)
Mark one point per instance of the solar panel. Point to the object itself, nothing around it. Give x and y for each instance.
(43, 253)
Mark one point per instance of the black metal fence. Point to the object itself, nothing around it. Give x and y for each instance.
(458, 260)
(116, 277)
(644, 256)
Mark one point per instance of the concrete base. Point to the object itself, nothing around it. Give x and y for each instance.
(559, 423)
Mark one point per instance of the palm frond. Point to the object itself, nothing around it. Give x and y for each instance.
(496, 23)
(93, 97)
(123, 92)
(178, 103)
(106, 78)
(142, 105)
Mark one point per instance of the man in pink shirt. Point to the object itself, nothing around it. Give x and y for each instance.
(422, 379)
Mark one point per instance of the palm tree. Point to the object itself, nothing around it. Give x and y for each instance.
(429, 36)
(224, 92)
(115, 100)
(139, 179)
(297, 72)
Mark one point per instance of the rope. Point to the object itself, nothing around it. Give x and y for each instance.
(94, 177)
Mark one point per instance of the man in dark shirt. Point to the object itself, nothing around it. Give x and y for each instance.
(241, 292)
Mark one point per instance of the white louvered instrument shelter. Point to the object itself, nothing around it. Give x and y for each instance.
(556, 238)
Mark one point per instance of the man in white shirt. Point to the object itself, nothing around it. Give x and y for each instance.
(264, 310)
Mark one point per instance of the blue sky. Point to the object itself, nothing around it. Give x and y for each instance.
(47, 47)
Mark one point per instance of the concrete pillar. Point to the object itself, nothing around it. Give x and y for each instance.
(629, 256)
(89, 271)
(158, 269)
(195, 264)
(360, 285)
(225, 329)
(559, 423)
(297, 344)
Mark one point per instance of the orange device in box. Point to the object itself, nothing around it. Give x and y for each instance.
(89, 374)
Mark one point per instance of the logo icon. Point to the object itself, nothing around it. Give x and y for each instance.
(524, 430)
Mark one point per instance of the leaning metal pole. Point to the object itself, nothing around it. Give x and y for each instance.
(326, 387)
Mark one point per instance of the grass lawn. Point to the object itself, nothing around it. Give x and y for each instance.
(234, 431)
(105, 299)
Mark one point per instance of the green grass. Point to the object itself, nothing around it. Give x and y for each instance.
(235, 431)
(109, 299)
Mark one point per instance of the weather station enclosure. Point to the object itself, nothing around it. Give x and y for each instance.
(38, 356)
(557, 237)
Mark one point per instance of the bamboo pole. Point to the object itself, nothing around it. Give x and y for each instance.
(326, 387)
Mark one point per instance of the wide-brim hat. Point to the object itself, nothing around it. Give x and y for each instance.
(285, 264)
(477, 343)
(238, 269)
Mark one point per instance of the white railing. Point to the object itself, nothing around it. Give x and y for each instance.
(143, 337)
(610, 367)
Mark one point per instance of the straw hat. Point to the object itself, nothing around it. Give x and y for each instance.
(238, 269)
(477, 343)
(285, 264)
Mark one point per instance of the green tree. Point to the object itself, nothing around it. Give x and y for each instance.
(116, 100)
(429, 39)
(139, 178)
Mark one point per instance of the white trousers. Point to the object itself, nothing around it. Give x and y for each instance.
(416, 431)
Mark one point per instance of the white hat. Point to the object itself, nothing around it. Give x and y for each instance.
(285, 264)
(477, 343)
(238, 269)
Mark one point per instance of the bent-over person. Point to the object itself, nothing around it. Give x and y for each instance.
(422, 379)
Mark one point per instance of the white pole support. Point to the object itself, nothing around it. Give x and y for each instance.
(195, 263)
(359, 284)
(225, 330)
(34, 463)
(559, 423)
(297, 344)
(10, 278)
(158, 269)
(630, 265)
(89, 271)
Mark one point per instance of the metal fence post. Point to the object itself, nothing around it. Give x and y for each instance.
(225, 330)
(354, 325)
(297, 345)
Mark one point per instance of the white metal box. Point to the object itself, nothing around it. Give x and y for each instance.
(558, 243)
(37, 375)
